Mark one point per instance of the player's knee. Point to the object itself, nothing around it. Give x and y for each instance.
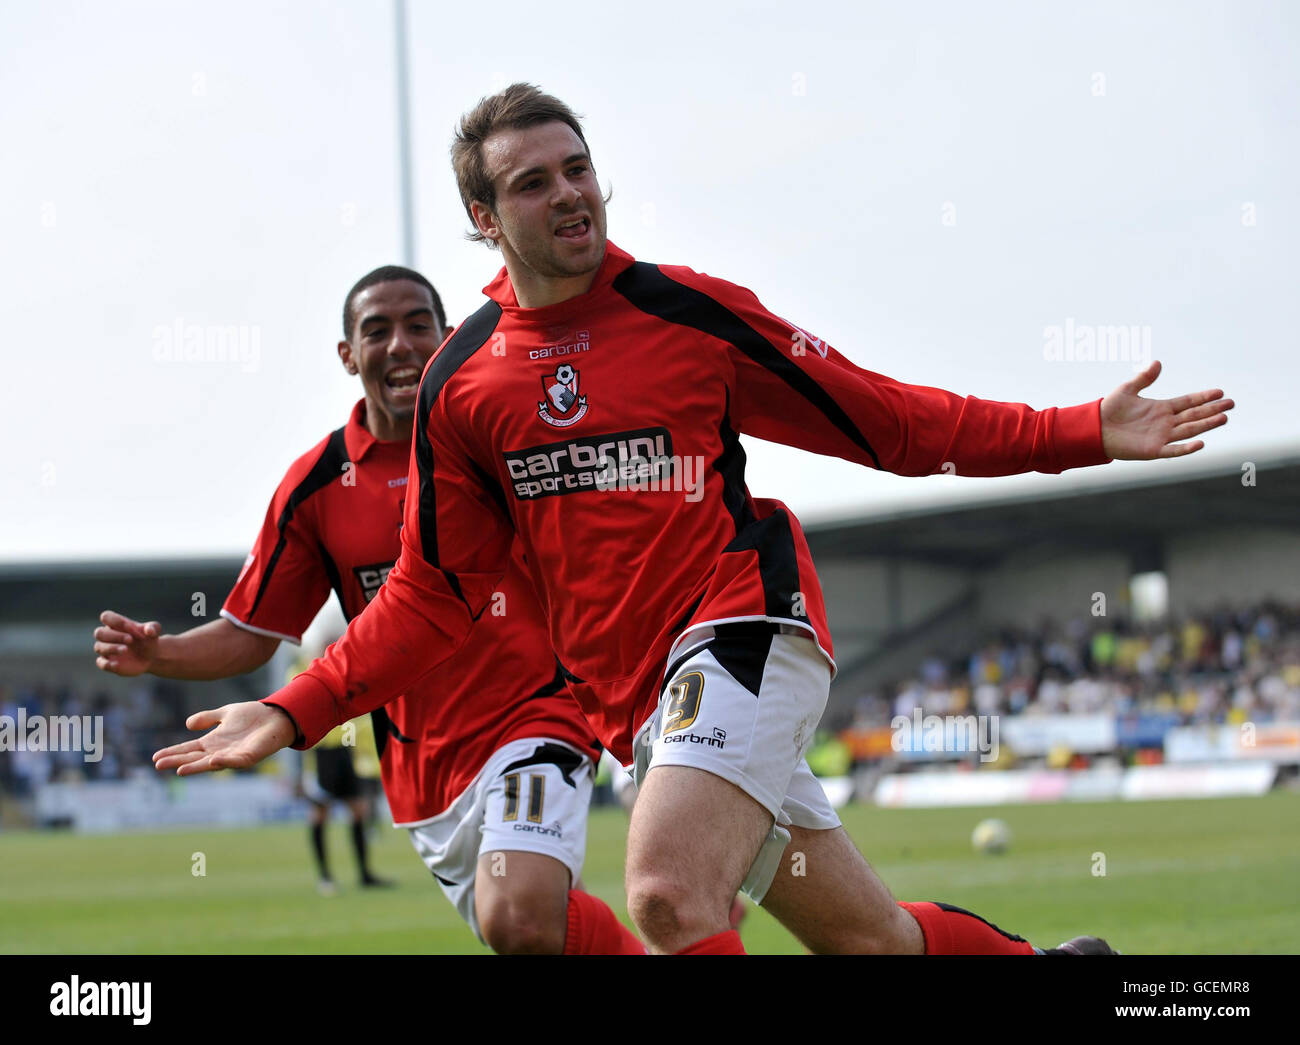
(513, 925)
(666, 911)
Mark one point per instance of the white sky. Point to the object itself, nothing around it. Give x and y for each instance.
(235, 165)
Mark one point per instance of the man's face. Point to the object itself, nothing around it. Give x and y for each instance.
(549, 213)
(394, 333)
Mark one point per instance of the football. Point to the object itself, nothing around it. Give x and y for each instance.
(991, 836)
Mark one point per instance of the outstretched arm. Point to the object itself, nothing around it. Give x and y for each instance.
(792, 388)
(215, 650)
(1137, 429)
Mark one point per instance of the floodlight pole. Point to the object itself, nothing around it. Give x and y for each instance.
(404, 136)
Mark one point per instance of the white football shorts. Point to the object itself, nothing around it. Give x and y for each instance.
(743, 703)
(531, 796)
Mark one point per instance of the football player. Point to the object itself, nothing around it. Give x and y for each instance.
(487, 761)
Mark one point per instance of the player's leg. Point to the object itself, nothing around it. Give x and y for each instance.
(738, 708)
(534, 840)
(338, 778)
(521, 900)
(692, 839)
(336, 783)
(829, 897)
(317, 792)
(824, 891)
(316, 817)
(508, 850)
(624, 789)
(360, 807)
(525, 904)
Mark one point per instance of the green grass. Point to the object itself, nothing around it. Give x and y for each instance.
(1211, 876)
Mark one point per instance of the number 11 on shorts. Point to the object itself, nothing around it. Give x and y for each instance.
(536, 796)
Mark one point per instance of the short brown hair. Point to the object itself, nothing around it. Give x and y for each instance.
(520, 105)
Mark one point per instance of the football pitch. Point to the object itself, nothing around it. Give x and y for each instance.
(1208, 876)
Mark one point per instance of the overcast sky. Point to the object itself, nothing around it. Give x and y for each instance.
(940, 190)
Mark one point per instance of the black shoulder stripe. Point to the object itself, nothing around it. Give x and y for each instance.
(647, 288)
(328, 467)
(335, 578)
(470, 336)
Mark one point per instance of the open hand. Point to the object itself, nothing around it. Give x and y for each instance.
(1137, 429)
(246, 733)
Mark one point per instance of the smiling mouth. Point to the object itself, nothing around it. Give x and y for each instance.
(574, 229)
(404, 379)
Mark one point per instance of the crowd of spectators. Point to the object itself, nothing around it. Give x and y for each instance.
(1223, 666)
(133, 728)
(1226, 665)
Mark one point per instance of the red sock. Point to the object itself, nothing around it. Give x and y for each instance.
(721, 943)
(594, 929)
(952, 930)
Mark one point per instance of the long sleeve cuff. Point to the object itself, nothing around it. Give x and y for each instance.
(312, 707)
(1076, 437)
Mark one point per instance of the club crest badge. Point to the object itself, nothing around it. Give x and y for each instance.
(563, 405)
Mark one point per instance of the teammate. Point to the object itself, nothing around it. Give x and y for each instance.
(488, 760)
(592, 408)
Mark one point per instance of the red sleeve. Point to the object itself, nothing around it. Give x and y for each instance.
(284, 582)
(789, 387)
(455, 548)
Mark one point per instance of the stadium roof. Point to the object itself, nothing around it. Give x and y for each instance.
(1136, 514)
(32, 592)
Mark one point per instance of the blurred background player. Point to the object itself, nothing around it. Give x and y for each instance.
(338, 780)
(488, 762)
(344, 770)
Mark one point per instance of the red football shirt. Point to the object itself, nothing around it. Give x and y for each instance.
(334, 524)
(604, 432)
